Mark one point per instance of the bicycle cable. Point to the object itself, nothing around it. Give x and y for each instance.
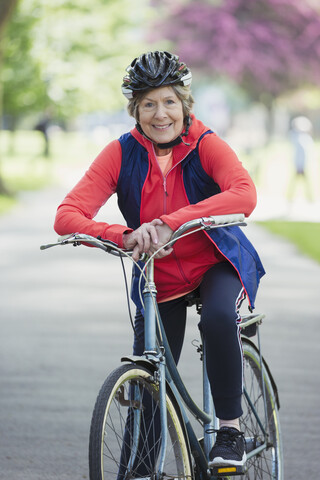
(137, 335)
(143, 275)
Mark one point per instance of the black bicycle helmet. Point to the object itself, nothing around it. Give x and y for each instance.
(152, 70)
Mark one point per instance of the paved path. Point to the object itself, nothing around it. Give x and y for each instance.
(64, 326)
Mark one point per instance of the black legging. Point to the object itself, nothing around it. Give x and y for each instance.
(221, 294)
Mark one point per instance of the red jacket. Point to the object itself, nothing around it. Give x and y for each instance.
(165, 198)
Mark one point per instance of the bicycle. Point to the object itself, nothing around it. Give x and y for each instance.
(140, 428)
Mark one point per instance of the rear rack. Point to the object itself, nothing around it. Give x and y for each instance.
(249, 324)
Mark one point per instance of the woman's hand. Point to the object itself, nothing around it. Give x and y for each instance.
(148, 238)
(164, 233)
(141, 239)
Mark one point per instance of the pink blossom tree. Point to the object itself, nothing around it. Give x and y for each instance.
(268, 47)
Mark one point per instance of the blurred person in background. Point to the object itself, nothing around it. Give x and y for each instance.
(168, 170)
(302, 142)
(43, 126)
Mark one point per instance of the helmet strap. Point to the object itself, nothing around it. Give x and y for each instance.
(174, 142)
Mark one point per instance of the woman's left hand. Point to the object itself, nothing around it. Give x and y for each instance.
(164, 235)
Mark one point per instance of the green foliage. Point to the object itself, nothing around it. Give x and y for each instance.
(25, 168)
(305, 235)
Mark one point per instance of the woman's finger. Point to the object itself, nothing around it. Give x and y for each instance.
(162, 253)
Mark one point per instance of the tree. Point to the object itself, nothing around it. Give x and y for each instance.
(266, 46)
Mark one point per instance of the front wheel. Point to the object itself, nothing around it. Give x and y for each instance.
(125, 436)
(268, 464)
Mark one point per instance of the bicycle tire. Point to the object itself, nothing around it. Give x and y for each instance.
(269, 463)
(111, 438)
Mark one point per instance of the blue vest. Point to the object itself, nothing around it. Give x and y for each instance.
(231, 241)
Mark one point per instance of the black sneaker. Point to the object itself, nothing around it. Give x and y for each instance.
(229, 448)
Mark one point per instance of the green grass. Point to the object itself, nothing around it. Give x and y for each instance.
(24, 167)
(6, 203)
(305, 235)
(22, 173)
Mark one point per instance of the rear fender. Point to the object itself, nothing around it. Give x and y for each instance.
(266, 366)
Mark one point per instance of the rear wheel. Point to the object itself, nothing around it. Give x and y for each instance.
(268, 464)
(125, 436)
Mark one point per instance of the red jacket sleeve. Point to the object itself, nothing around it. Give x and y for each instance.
(76, 212)
(238, 193)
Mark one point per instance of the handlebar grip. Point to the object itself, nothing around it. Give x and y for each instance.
(230, 218)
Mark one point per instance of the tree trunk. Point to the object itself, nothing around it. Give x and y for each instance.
(6, 9)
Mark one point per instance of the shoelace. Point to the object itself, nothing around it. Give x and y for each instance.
(225, 437)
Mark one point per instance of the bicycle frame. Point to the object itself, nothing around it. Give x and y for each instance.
(168, 373)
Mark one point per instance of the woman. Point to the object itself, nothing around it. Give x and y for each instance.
(168, 170)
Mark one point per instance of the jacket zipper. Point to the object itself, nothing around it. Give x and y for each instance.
(164, 178)
(183, 275)
(164, 183)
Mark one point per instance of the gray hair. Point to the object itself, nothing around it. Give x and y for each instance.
(182, 92)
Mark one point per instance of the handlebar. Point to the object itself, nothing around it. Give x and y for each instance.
(209, 223)
(77, 239)
(203, 223)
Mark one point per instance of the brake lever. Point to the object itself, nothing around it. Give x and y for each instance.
(63, 240)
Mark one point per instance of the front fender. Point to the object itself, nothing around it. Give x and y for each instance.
(141, 362)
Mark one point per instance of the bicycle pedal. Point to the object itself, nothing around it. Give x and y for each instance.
(227, 470)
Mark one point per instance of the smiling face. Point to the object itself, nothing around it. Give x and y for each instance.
(161, 116)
